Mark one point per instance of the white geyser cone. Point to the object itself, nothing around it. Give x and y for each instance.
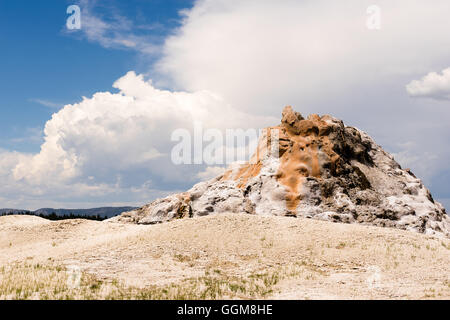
(315, 168)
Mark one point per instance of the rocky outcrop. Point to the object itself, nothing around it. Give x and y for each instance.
(315, 168)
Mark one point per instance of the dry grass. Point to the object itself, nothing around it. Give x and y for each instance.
(52, 282)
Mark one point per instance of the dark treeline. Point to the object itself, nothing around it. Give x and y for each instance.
(55, 217)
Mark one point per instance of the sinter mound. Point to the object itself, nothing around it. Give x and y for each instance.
(320, 169)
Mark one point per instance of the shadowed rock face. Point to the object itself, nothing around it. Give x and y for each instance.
(317, 168)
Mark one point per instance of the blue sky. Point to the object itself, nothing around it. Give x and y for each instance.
(223, 62)
(42, 62)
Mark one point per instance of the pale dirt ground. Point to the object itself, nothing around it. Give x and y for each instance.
(319, 260)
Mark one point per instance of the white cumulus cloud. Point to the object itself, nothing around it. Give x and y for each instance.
(115, 142)
(433, 85)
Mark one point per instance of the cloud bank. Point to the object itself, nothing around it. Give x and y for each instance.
(118, 142)
(262, 54)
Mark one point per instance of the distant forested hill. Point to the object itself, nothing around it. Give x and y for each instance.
(100, 213)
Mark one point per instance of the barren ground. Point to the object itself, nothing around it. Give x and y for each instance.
(221, 256)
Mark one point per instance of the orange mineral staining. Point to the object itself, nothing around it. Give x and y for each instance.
(300, 157)
(300, 143)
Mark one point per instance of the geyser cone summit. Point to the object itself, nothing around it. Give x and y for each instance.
(320, 169)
